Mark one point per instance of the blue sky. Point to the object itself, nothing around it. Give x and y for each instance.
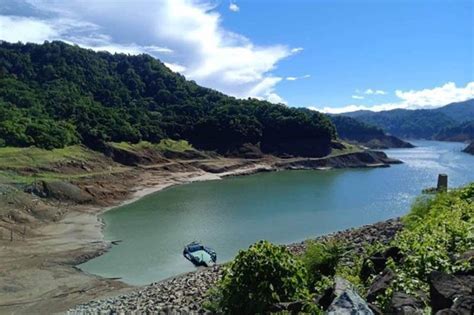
(333, 55)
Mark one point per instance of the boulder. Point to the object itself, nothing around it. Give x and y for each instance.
(464, 305)
(446, 288)
(447, 311)
(404, 304)
(347, 301)
(59, 190)
(66, 191)
(393, 252)
(377, 262)
(373, 265)
(380, 285)
(325, 299)
(37, 188)
(375, 309)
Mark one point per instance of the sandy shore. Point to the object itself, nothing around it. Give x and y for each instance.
(38, 273)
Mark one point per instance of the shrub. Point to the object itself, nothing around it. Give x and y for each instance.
(263, 275)
(436, 233)
(321, 260)
(419, 210)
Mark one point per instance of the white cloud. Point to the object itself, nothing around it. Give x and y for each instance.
(357, 97)
(175, 67)
(185, 34)
(33, 30)
(14, 29)
(266, 90)
(413, 99)
(306, 76)
(437, 96)
(234, 7)
(296, 50)
(373, 92)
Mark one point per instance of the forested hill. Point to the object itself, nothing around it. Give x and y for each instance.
(55, 94)
(452, 121)
(373, 137)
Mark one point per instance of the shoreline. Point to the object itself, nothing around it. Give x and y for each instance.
(186, 292)
(78, 236)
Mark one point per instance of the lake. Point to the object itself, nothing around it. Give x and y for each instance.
(282, 207)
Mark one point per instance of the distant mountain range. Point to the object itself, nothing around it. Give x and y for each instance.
(453, 122)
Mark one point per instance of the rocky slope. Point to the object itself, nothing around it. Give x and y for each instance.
(186, 293)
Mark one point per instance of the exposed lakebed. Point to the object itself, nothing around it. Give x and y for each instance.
(282, 207)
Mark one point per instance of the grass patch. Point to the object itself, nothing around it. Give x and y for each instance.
(164, 145)
(26, 165)
(32, 157)
(349, 148)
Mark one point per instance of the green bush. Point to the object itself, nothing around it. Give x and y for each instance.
(437, 231)
(263, 275)
(419, 210)
(321, 260)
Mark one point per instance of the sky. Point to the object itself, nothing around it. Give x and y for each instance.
(328, 55)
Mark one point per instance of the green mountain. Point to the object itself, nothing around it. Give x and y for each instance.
(352, 129)
(55, 94)
(460, 111)
(458, 132)
(440, 123)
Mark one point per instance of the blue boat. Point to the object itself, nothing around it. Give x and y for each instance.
(199, 254)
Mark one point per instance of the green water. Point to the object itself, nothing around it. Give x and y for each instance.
(282, 207)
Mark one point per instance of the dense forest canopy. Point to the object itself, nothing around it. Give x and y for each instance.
(460, 132)
(350, 128)
(55, 94)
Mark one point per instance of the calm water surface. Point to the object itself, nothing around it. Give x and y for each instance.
(282, 207)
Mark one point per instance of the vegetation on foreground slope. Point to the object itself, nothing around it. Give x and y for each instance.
(437, 237)
(55, 94)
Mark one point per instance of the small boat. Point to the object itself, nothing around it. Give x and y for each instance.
(199, 254)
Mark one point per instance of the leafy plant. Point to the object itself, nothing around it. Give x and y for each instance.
(437, 231)
(321, 259)
(261, 276)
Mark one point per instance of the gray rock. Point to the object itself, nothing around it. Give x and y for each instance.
(464, 305)
(66, 191)
(380, 285)
(347, 301)
(446, 288)
(447, 311)
(404, 304)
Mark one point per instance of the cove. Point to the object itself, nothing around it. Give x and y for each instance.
(282, 207)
